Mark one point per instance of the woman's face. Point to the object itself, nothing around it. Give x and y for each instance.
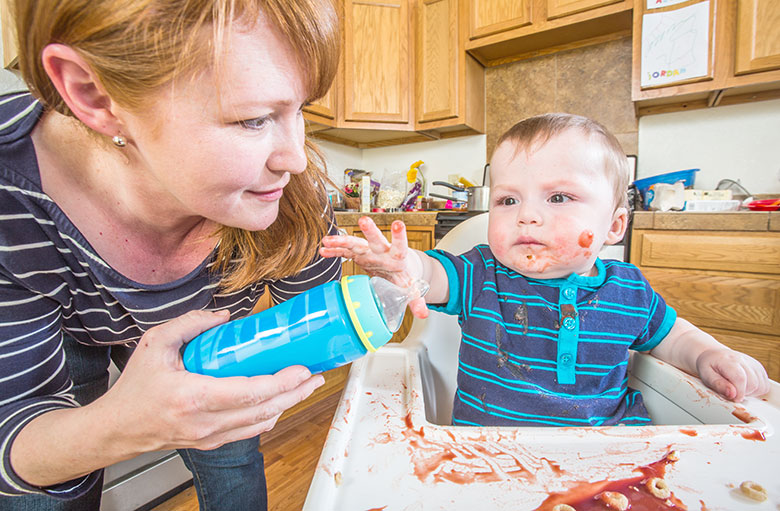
(225, 153)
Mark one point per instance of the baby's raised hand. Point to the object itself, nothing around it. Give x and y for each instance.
(391, 260)
(732, 374)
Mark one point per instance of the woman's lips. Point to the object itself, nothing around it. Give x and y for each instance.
(268, 195)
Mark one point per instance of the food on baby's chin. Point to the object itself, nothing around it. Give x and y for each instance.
(658, 487)
(754, 491)
(614, 500)
(563, 507)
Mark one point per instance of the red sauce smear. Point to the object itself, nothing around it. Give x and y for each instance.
(585, 239)
(754, 435)
(689, 432)
(585, 496)
(378, 508)
(743, 415)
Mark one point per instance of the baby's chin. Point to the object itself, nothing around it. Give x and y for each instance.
(541, 267)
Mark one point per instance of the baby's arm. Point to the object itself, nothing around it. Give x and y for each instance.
(732, 374)
(392, 260)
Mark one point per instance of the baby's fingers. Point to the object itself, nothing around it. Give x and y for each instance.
(375, 239)
(419, 308)
(723, 384)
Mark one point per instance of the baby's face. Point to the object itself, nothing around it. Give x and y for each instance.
(552, 210)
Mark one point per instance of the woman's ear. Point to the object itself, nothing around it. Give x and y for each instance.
(618, 228)
(80, 89)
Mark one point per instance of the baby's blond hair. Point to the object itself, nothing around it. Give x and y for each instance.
(533, 132)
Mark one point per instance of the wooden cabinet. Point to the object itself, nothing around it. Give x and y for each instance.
(502, 31)
(490, 16)
(10, 51)
(726, 282)
(404, 76)
(377, 64)
(450, 83)
(758, 36)
(743, 57)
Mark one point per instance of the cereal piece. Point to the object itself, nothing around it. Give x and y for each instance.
(337, 478)
(658, 487)
(673, 456)
(754, 491)
(563, 507)
(614, 500)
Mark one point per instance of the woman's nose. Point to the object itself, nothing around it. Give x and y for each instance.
(289, 153)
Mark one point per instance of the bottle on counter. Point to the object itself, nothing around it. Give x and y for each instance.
(325, 327)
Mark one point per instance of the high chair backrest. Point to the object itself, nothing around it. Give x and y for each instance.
(439, 334)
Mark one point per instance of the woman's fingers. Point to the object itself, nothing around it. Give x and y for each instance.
(285, 388)
(183, 328)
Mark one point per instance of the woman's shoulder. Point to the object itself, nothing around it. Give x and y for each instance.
(19, 113)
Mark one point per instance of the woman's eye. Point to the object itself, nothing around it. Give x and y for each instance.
(559, 198)
(257, 123)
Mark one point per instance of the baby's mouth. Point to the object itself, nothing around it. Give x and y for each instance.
(529, 241)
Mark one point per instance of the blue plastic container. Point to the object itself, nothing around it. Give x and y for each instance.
(688, 177)
(325, 327)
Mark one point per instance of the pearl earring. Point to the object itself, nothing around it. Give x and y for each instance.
(119, 141)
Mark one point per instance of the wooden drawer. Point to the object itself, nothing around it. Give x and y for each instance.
(765, 349)
(720, 300)
(727, 251)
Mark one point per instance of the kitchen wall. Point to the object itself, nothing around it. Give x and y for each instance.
(740, 142)
(594, 81)
(462, 155)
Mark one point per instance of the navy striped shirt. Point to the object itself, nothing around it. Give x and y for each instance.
(52, 281)
(549, 352)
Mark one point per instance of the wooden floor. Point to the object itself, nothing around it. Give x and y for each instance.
(291, 450)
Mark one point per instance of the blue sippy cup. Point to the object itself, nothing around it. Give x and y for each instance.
(325, 327)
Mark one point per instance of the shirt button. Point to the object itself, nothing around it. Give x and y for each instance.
(569, 293)
(566, 359)
(569, 323)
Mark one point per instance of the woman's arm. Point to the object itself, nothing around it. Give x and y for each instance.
(732, 374)
(156, 404)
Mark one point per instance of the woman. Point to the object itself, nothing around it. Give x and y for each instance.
(158, 167)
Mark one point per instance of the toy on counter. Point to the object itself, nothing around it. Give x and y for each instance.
(325, 327)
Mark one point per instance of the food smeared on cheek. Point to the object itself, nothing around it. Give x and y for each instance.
(586, 239)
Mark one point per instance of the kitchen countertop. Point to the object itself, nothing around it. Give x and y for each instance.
(408, 217)
(761, 221)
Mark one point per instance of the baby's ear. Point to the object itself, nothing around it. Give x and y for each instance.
(618, 228)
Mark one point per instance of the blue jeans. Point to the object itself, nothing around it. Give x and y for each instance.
(230, 478)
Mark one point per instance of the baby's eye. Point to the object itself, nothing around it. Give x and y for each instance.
(559, 198)
(257, 123)
(507, 201)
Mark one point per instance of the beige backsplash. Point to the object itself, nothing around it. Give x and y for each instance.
(594, 81)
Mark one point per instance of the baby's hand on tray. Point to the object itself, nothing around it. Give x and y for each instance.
(732, 374)
(392, 260)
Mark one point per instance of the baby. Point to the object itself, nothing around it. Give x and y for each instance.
(547, 325)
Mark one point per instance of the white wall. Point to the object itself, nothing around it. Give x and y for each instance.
(461, 155)
(740, 142)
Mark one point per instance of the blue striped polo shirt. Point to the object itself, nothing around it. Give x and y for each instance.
(549, 352)
(52, 281)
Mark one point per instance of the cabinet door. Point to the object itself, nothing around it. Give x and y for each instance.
(758, 36)
(437, 60)
(558, 8)
(10, 51)
(491, 16)
(325, 106)
(376, 61)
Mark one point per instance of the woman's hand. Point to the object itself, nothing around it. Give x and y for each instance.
(732, 374)
(393, 260)
(160, 405)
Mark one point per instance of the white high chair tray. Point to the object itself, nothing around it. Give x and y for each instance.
(383, 454)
